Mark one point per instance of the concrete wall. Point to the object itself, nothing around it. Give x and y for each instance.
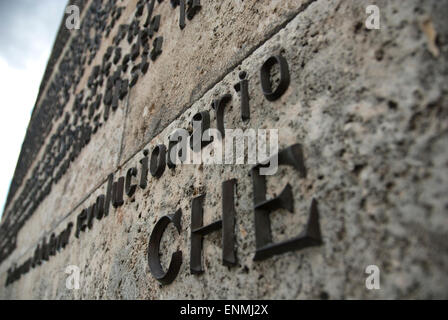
(369, 108)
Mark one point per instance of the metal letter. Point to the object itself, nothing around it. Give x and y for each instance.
(154, 249)
(144, 172)
(182, 14)
(130, 189)
(80, 222)
(243, 88)
(198, 231)
(200, 123)
(118, 189)
(311, 236)
(99, 207)
(265, 77)
(219, 105)
(158, 161)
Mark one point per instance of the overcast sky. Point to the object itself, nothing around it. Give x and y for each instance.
(27, 32)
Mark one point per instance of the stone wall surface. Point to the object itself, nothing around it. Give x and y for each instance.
(368, 107)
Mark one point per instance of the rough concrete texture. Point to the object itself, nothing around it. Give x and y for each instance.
(209, 47)
(370, 110)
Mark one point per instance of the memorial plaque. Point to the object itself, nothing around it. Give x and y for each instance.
(253, 149)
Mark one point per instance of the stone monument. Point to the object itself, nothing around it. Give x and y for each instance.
(236, 149)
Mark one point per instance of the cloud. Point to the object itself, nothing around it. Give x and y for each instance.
(27, 28)
(27, 31)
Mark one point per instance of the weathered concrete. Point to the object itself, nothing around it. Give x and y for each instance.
(370, 110)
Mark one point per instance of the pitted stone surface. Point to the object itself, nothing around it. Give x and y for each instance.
(369, 109)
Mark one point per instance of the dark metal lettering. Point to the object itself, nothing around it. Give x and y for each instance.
(99, 206)
(243, 88)
(311, 236)
(130, 189)
(181, 14)
(154, 26)
(154, 248)
(219, 105)
(158, 161)
(81, 222)
(118, 190)
(37, 257)
(45, 250)
(265, 77)
(198, 230)
(90, 216)
(67, 233)
(228, 223)
(150, 11)
(193, 7)
(52, 245)
(109, 190)
(157, 48)
(200, 123)
(144, 172)
(59, 241)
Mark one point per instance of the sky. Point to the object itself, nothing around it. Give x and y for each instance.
(28, 29)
